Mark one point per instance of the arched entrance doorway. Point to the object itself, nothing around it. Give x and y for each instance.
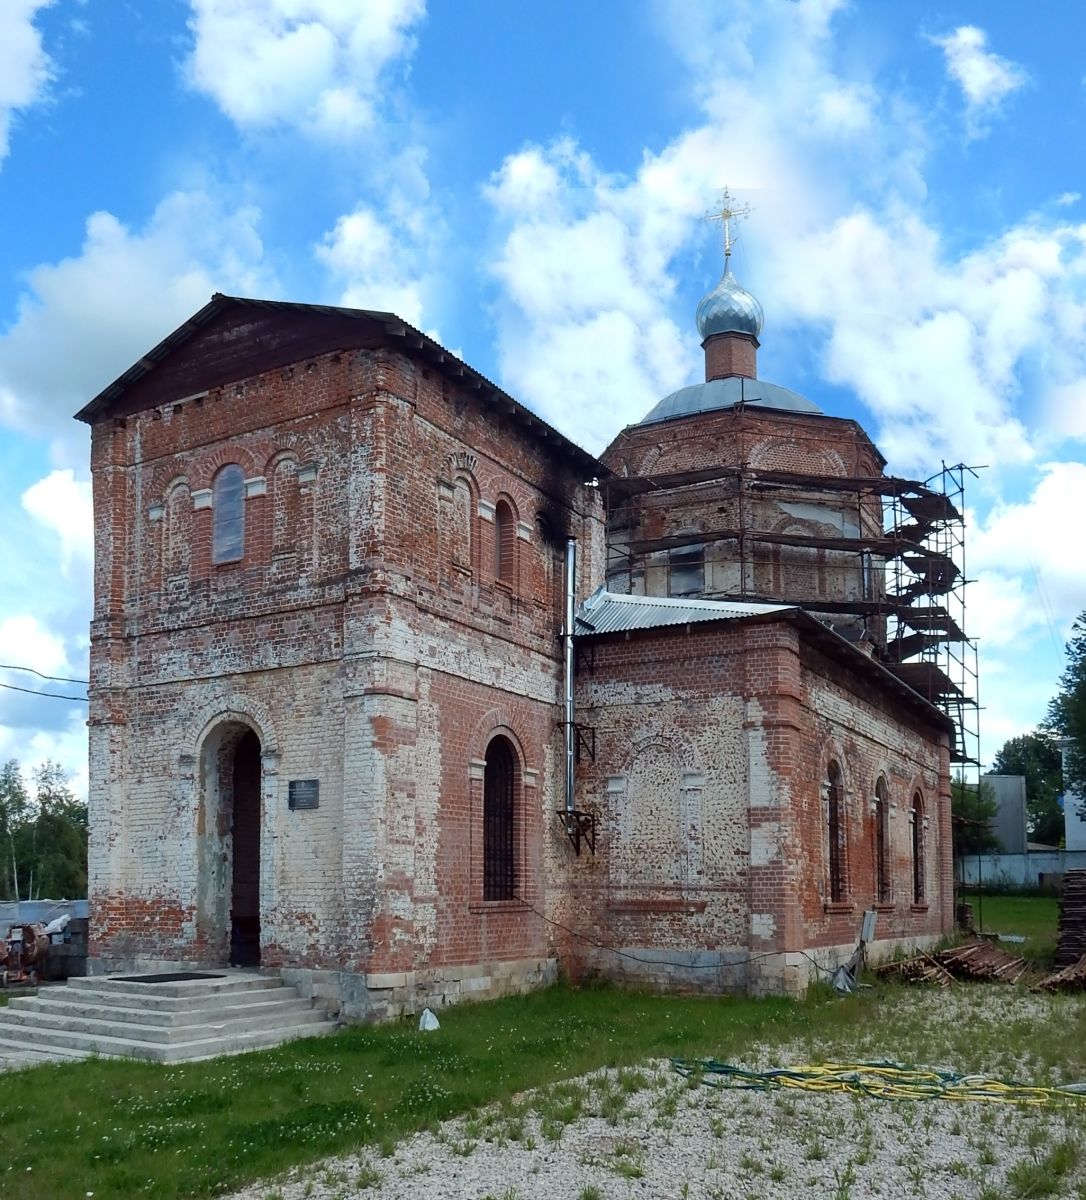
(228, 836)
(245, 838)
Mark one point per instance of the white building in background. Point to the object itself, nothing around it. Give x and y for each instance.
(1074, 808)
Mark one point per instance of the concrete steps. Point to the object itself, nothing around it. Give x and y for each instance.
(161, 1018)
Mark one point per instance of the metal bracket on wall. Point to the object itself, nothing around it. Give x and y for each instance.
(579, 826)
(586, 737)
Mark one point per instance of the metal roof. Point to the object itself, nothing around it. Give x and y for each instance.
(728, 393)
(390, 325)
(610, 612)
(729, 308)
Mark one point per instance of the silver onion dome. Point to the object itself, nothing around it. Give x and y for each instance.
(729, 308)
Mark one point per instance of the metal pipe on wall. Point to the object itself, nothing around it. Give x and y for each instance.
(567, 637)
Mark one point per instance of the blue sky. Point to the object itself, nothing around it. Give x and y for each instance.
(526, 183)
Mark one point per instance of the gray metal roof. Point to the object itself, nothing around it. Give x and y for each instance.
(727, 393)
(610, 612)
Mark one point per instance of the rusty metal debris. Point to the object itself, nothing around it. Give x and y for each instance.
(974, 960)
(1067, 979)
(22, 953)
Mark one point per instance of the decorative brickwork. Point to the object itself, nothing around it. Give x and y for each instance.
(295, 747)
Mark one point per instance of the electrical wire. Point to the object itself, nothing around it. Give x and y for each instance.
(42, 675)
(11, 687)
(883, 1080)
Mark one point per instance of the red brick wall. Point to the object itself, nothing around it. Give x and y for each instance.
(740, 721)
(362, 635)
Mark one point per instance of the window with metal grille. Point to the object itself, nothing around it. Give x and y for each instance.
(835, 826)
(499, 879)
(882, 843)
(505, 543)
(228, 515)
(916, 821)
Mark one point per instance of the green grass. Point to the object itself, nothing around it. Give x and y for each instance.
(125, 1129)
(1032, 917)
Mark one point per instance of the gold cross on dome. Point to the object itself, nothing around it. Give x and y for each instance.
(728, 212)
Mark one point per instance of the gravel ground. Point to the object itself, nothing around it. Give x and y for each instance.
(648, 1133)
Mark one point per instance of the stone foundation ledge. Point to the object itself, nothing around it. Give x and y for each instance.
(385, 995)
(791, 972)
(713, 972)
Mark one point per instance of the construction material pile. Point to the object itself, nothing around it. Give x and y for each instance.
(1069, 979)
(921, 968)
(1071, 943)
(974, 960)
(981, 960)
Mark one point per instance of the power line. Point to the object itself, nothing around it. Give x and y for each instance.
(52, 695)
(41, 675)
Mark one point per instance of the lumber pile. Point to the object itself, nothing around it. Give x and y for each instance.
(976, 960)
(921, 968)
(1068, 979)
(980, 960)
(1071, 942)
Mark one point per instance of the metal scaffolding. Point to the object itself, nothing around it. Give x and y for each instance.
(902, 543)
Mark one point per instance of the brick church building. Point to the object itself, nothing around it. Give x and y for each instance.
(397, 690)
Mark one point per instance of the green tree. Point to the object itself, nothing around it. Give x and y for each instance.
(14, 806)
(1037, 757)
(43, 840)
(1067, 711)
(972, 810)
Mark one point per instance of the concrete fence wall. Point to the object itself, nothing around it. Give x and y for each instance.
(1018, 869)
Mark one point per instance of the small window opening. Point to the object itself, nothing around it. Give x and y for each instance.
(228, 508)
(686, 566)
(505, 543)
(916, 822)
(882, 843)
(835, 824)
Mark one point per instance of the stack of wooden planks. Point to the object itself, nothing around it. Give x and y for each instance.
(974, 960)
(1071, 943)
(1068, 979)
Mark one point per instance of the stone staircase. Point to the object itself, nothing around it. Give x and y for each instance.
(165, 1018)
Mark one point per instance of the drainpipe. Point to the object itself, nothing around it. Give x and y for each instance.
(567, 637)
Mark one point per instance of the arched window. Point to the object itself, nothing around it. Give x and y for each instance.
(463, 511)
(177, 531)
(228, 512)
(916, 827)
(499, 782)
(882, 843)
(505, 543)
(835, 828)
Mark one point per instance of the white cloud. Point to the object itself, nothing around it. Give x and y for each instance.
(83, 320)
(24, 641)
(63, 504)
(1027, 549)
(25, 68)
(312, 64)
(374, 261)
(933, 342)
(986, 79)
